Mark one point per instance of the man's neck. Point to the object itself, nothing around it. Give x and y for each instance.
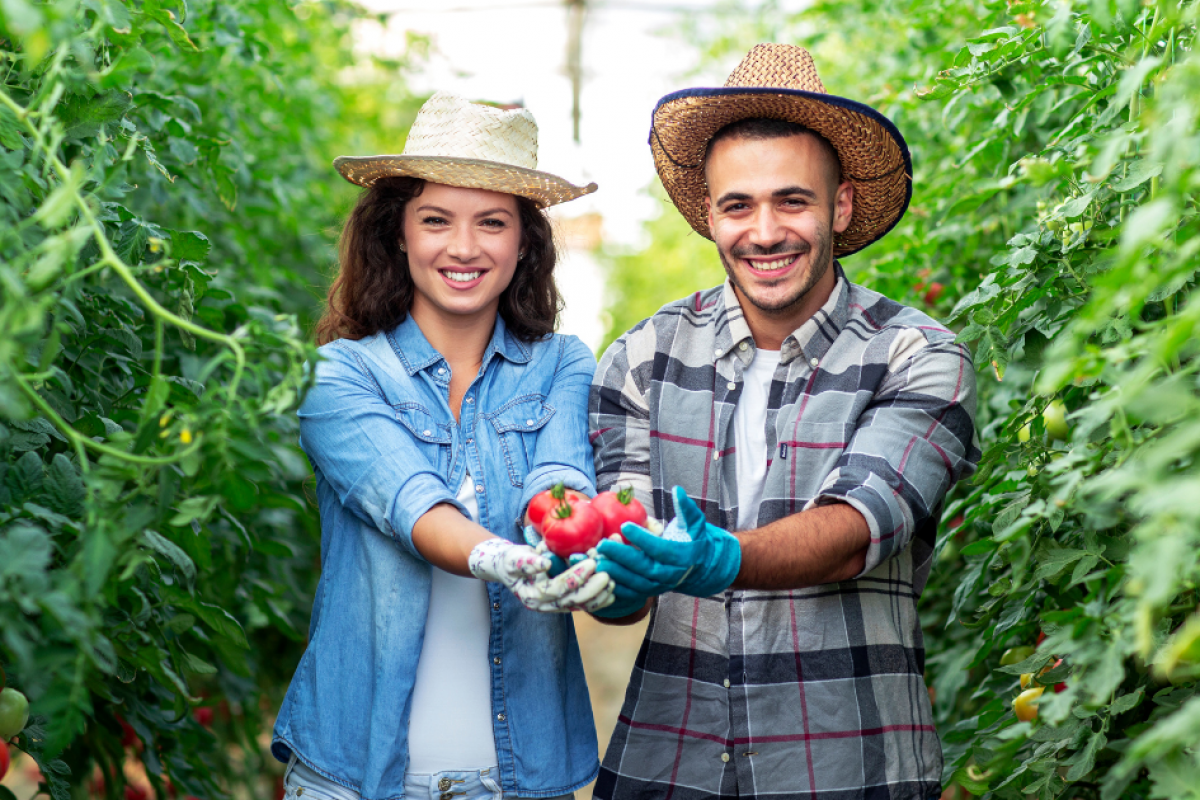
(770, 328)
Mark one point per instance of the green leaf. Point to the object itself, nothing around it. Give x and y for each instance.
(1085, 761)
(173, 552)
(25, 551)
(1139, 172)
(1126, 702)
(64, 486)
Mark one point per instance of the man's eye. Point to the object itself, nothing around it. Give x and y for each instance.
(732, 207)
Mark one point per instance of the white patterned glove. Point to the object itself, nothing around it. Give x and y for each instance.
(522, 569)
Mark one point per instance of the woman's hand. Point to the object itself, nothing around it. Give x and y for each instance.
(523, 570)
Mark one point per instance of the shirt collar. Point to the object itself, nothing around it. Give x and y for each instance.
(416, 353)
(811, 340)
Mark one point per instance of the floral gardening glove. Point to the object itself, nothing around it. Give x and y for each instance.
(523, 570)
(691, 557)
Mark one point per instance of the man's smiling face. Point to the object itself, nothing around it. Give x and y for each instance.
(773, 207)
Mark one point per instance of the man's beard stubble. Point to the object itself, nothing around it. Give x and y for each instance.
(818, 267)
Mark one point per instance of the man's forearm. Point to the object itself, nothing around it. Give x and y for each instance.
(822, 545)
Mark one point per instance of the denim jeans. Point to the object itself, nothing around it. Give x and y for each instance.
(302, 783)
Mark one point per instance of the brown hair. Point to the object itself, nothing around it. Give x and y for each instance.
(373, 290)
(768, 128)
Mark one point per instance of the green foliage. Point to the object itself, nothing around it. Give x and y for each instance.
(166, 210)
(1058, 163)
(677, 262)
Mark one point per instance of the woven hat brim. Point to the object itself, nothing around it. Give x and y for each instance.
(874, 156)
(543, 188)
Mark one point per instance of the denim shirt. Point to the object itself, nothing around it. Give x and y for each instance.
(385, 448)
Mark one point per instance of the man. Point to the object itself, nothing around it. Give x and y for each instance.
(820, 421)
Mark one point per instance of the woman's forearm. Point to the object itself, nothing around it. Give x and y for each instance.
(445, 538)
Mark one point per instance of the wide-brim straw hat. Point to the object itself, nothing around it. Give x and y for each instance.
(459, 143)
(779, 81)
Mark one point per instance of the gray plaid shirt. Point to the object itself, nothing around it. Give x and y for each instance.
(816, 693)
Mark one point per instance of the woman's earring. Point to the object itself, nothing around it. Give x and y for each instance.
(403, 249)
(520, 254)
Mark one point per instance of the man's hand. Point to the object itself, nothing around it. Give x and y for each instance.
(701, 567)
(523, 571)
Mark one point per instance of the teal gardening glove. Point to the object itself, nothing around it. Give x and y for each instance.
(703, 566)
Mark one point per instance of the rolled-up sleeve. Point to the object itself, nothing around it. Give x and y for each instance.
(619, 415)
(352, 436)
(910, 445)
(561, 453)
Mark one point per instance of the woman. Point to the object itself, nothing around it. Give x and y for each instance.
(443, 402)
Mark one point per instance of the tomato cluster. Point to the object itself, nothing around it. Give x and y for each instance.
(570, 523)
(1025, 704)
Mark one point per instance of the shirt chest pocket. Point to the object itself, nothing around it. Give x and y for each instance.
(811, 449)
(517, 425)
(433, 438)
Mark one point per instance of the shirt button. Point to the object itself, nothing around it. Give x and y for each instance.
(528, 422)
(731, 386)
(725, 757)
(743, 346)
(444, 784)
(496, 660)
(812, 361)
(727, 683)
(428, 433)
(479, 489)
(470, 399)
(717, 352)
(716, 456)
(446, 796)
(441, 370)
(500, 717)
(496, 606)
(470, 441)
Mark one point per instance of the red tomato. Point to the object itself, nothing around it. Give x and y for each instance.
(934, 292)
(203, 715)
(3, 759)
(617, 508)
(129, 737)
(134, 792)
(572, 528)
(544, 501)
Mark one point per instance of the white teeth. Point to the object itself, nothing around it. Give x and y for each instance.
(767, 266)
(462, 277)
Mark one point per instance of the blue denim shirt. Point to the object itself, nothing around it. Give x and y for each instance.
(385, 449)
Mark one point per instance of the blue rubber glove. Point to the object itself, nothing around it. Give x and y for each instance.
(625, 602)
(654, 565)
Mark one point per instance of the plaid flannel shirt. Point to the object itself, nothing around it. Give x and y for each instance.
(813, 693)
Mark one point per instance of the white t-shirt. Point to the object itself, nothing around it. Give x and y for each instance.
(750, 435)
(450, 727)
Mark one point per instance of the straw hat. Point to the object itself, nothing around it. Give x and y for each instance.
(779, 81)
(460, 143)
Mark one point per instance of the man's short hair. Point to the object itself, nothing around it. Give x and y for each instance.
(764, 128)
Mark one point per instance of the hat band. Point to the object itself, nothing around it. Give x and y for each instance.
(881, 176)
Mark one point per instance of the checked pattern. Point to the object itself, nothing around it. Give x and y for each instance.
(814, 693)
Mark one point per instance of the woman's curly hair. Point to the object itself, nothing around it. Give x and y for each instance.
(373, 290)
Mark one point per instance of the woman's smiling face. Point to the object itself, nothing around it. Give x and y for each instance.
(462, 249)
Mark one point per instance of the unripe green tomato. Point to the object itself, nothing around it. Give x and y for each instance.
(1024, 433)
(14, 713)
(1055, 417)
(1015, 655)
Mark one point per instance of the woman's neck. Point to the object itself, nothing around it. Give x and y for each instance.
(461, 340)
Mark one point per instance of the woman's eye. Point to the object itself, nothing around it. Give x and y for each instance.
(494, 223)
(433, 221)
